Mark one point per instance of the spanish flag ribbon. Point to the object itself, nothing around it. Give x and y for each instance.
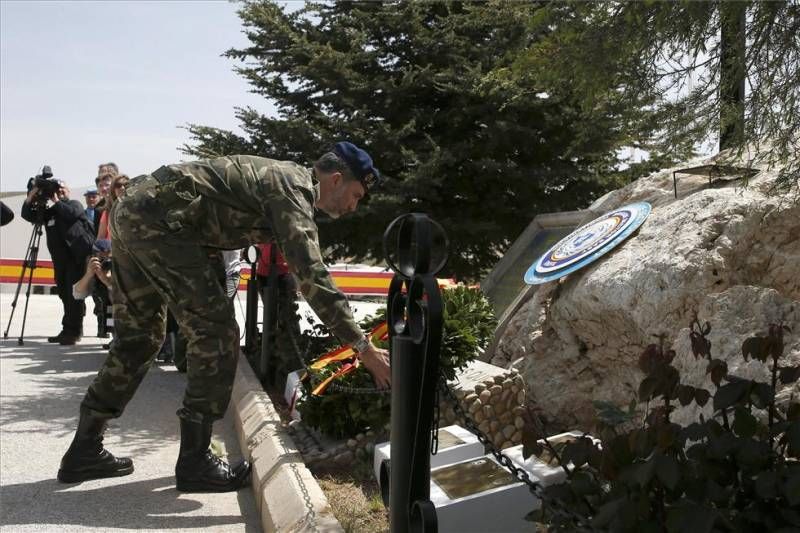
(345, 353)
(347, 368)
(379, 332)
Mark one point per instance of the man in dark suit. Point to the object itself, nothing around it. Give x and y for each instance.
(69, 240)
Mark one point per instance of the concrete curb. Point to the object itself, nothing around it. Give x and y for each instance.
(288, 498)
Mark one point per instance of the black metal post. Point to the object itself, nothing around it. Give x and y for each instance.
(251, 304)
(270, 321)
(415, 327)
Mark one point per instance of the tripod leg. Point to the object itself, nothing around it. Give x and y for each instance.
(28, 263)
(25, 312)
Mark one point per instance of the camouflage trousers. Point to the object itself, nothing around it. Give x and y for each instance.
(155, 266)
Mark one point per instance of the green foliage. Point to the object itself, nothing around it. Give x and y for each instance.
(736, 471)
(413, 83)
(469, 323)
(663, 69)
(341, 414)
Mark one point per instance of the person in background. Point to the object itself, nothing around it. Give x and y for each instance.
(6, 214)
(90, 197)
(115, 190)
(107, 168)
(118, 185)
(98, 267)
(103, 183)
(69, 240)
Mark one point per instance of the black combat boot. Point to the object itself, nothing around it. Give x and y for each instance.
(86, 458)
(57, 338)
(198, 469)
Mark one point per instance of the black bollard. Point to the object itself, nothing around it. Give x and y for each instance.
(251, 305)
(270, 321)
(415, 327)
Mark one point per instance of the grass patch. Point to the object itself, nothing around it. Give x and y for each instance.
(353, 494)
(355, 499)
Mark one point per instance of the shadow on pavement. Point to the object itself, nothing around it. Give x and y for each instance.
(151, 504)
(62, 375)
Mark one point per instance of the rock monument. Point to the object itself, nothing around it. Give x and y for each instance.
(729, 253)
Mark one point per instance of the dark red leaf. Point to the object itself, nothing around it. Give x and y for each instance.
(685, 394)
(730, 394)
(701, 347)
(701, 396)
(530, 443)
(756, 347)
(718, 370)
(649, 358)
(790, 374)
(647, 388)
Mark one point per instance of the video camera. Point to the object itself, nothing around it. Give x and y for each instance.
(48, 186)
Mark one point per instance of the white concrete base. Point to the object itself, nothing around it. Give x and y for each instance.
(546, 474)
(502, 508)
(450, 450)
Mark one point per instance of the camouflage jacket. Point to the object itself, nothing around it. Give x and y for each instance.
(235, 201)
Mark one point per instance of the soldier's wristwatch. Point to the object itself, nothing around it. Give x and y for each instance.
(361, 344)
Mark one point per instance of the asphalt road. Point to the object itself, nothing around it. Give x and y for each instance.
(41, 386)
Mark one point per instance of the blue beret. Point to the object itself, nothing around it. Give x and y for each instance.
(90, 192)
(360, 164)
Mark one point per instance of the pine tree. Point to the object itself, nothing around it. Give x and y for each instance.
(421, 86)
(726, 70)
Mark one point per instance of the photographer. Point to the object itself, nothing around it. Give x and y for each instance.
(98, 268)
(69, 240)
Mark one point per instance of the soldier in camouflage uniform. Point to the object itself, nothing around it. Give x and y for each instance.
(164, 229)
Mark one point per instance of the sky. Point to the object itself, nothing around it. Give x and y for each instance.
(86, 82)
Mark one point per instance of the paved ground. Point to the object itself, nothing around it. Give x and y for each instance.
(41, 386)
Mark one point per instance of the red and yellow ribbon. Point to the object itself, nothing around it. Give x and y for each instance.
(345, 353)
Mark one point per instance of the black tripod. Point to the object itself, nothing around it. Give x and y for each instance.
(29, 265)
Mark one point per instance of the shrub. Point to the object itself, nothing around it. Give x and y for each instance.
(468, 323)
(736, 471)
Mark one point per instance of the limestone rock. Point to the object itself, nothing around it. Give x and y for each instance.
(729, 253)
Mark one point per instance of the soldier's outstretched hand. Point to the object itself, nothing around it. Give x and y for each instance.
(377, 362)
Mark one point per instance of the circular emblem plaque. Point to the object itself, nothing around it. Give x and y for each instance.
(587, 243)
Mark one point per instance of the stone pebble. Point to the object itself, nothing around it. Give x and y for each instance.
(344, 458)
(495, 405)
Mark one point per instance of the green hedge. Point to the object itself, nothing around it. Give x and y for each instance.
(469, 323)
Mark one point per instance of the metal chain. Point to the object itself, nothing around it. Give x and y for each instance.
(310, 516)
(336, 387)
(536, 489)
(520, 474)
